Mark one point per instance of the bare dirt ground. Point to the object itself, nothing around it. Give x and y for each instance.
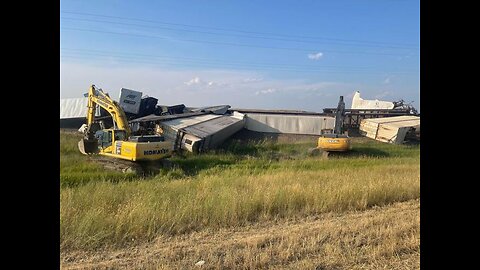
(380, 238)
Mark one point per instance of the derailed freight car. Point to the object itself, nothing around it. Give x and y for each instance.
(209, 134)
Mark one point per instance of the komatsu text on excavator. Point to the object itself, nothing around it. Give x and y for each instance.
(117, 142)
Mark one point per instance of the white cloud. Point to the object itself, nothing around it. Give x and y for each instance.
(317, 87)
(387, 80)
(268, 91)
(315, 56)
(249, 80)
(196, 87)
(193, 81)
(199, 82)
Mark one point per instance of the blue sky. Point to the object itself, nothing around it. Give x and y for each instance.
(251, 54)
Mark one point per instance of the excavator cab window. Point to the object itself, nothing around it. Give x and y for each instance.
(107, 139)
(120, 135)
(104, 138)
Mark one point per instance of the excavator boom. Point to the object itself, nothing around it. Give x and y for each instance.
(96, 97)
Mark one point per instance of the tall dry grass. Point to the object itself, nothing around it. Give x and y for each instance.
(379, 238)
(234, 186)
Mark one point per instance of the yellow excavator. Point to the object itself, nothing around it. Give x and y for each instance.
(117, 141)
(336, 141)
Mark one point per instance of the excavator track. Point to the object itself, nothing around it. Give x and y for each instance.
(318, 152)
(125, 166)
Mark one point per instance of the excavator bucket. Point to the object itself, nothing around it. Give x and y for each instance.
(88, 147)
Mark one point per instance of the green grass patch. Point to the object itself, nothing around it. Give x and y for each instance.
(235, 185)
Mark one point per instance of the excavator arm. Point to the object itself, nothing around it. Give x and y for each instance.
(339, 117)
(96, 97)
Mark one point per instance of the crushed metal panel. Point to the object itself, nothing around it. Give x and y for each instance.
(219, 109)
(369, 127)
(395, 132)
(392, 134)
(360, 103)
(284, 112)
(406, 123)
(389, 129)
(157, 118)
(184, 122)
(212, 133)
(292, 124)
(171, 127)
(207, 128)
(391, 119)
(190, 143)
(130, 100)
(75, 108)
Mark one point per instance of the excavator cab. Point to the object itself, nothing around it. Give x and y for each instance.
(104, 138)
(101, 141)
(107, 137)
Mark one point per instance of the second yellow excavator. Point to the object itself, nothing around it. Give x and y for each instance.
(336, 141)
(117, 142)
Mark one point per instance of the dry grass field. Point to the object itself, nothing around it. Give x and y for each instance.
(247, 205)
